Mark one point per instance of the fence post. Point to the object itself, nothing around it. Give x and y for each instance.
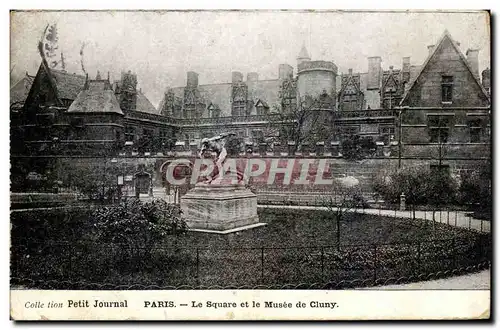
(470, 219)
(418, 256)
(448, 218)
(454, 249)
(262, 264)
(71, 251)
(456, 213)
(481, 226)
(374, 264)
(322, 262)
(198, 265)
(433, 220)
(481, 247)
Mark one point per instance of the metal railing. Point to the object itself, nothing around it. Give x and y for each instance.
(95, 265)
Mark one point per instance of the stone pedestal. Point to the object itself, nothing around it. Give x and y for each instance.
(220, 208)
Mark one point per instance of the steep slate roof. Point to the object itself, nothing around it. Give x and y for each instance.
(97, 97)
(446, 35)
(144, 105)
(414, 70)
(303, 52)
(220, 94)
(68, 84)
(20, 90)
(349, 81)
(264, 90)
(177, 101)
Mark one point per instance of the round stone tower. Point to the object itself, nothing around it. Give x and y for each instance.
(315, 78)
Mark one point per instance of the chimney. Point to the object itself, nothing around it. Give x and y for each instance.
(350, 71)
(236, 77)
(406, 70)
(285, 71)
(374, 70)
(485, 81)
(252, 76)
(192, 79)
(430, 48)
(406, 64)
(472, 58)
(86, 85)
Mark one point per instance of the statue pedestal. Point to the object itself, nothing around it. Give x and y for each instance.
(220, 209)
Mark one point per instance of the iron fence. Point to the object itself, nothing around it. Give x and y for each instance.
(94, 265)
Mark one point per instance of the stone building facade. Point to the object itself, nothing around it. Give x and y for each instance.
(436, 113)
(445, 113)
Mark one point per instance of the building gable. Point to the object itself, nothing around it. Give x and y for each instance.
(43, 91)
(20, 90)
(446, 60)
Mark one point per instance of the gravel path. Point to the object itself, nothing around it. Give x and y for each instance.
(452, 218)
(474, 281)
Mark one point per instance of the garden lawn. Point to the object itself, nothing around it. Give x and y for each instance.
(297, 247)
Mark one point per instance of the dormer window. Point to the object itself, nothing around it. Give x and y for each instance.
(213, 111)
(239, 108)
(261, 107)
(447, 89)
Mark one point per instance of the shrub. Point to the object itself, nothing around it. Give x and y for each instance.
(419, 184)
(136, 223)
(475, 188)
(356, 148)
(130, 231)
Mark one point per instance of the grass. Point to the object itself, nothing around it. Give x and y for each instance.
(297, 246)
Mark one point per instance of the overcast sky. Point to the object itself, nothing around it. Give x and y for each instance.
(162, 46)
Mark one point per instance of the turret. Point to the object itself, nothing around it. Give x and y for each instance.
(303, 55)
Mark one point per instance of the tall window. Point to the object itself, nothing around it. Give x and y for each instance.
(439, 128)
(189, 111)
(239, 108)
(289, 104)
(348, 131)
(387, 133)
(390, 99)
(447, 89)
(213, 111)
(475, 130)
(164, 138)
(129, 133)
(257, 136)
(350, 101)
(147, 133)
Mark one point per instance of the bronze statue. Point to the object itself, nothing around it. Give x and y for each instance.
(216, 144)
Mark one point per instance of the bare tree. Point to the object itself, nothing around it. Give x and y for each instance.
(303, 123)
(344, 197)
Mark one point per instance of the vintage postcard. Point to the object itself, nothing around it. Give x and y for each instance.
(250, 165)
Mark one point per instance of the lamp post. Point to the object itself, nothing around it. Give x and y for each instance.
(400, 132)
(119, 183)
